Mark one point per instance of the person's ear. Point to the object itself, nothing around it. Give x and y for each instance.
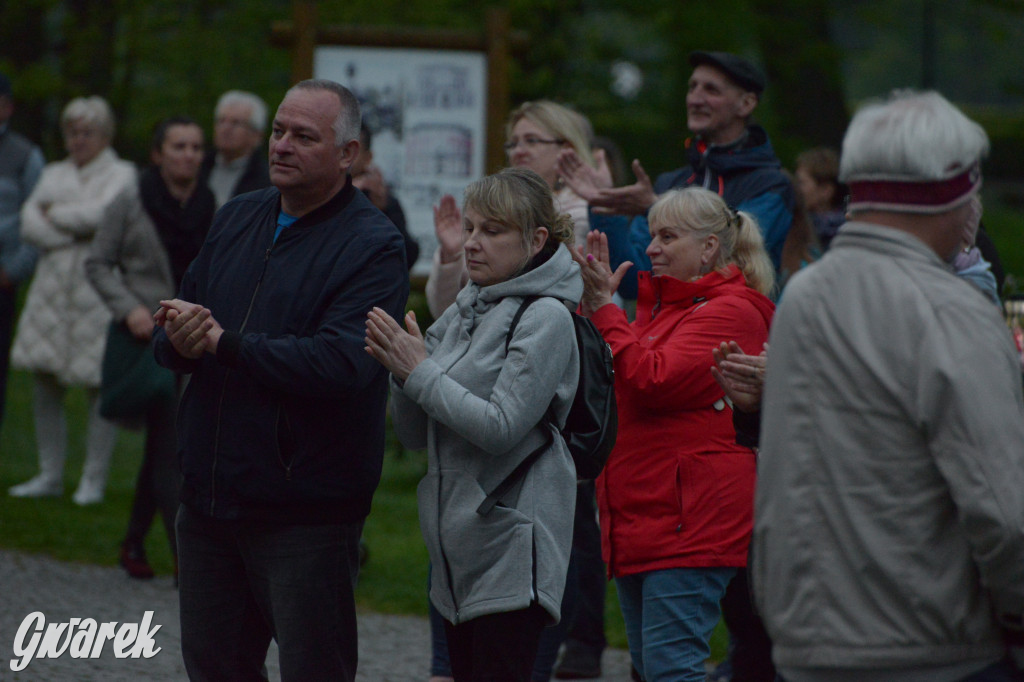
(347, 154)
(540, 237)
(748, 102)
(709, 255)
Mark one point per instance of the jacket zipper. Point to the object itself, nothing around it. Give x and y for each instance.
(440, 544)
(224, 386)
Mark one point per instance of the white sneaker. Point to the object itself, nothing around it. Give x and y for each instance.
(88, 493)
(40, 486)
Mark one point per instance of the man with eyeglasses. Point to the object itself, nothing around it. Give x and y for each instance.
(237, 164)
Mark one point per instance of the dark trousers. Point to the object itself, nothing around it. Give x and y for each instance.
(244, 582)
(749, 646)
(585, 581)
(500, 647)
(8, 298)
(156, 488)
(586, 622)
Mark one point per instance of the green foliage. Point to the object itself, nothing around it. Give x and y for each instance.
(1004, 221)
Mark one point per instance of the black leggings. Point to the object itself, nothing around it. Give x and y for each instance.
(159, 477)
(499, 647)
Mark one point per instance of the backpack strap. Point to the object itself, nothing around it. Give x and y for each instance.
(517, 474)
(527, 302)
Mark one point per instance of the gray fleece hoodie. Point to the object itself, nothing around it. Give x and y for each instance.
(479, 413)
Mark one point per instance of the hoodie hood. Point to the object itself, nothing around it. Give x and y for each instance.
(559, 277)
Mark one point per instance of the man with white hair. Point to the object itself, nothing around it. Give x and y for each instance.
(281, 429)
(889, 519)
(237, 164)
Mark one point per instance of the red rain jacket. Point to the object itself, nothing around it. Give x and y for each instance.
(677, 490)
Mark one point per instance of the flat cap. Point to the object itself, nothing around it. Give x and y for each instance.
(738, 69)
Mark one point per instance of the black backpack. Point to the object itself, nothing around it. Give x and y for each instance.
(593, 421)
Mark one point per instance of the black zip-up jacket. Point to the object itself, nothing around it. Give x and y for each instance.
(286, 423)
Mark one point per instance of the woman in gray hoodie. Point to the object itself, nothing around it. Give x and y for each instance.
(497, 577)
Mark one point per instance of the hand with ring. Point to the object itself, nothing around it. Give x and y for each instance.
(741, 376)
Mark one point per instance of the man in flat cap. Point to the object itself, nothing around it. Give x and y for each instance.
(730, 155)
(727, 154)
(889, 521)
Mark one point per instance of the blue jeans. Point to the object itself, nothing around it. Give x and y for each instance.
(242, 583)
(669, 616)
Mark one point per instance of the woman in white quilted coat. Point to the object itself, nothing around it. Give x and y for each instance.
(63, 326)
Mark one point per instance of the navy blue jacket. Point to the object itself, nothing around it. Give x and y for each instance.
(748, 176)
(286, 423)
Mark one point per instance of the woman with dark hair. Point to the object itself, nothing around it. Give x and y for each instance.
(138, 258)
(817, 180)
(481, 403)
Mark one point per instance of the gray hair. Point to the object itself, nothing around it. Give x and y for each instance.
(911, 136)
(257, 107)
(93, 111)
(350, 120)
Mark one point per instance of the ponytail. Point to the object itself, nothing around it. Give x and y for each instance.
(750, 257)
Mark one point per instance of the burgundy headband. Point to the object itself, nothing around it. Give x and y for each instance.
(914, 196)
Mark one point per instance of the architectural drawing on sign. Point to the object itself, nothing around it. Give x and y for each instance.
(443, 149)
(440, 86)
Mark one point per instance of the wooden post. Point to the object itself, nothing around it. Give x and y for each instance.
(303, 39)
(499, 54)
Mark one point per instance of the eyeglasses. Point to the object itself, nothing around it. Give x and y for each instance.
(529, 142)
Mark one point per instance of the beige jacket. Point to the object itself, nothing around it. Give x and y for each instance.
(128, 264)
(889, 519)
(63, 327)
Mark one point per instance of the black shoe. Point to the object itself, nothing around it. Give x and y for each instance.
(578, 663)
(133, 560)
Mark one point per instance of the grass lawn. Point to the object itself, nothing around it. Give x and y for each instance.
(393, 581)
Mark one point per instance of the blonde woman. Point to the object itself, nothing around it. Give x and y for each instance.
(62, 331)
(535, 134)
(676, 496)
(479, 409)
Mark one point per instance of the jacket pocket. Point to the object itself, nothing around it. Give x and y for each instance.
(680, 498)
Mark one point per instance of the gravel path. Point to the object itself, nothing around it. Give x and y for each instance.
(391, 648)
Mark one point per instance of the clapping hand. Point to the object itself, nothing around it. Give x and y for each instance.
(399, 350)
(448, 228)
(190, 327)
(590, 184)
(741, 376)
(599, 282)
(584, 180)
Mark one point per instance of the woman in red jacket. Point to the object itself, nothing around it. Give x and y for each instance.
(676, 495)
